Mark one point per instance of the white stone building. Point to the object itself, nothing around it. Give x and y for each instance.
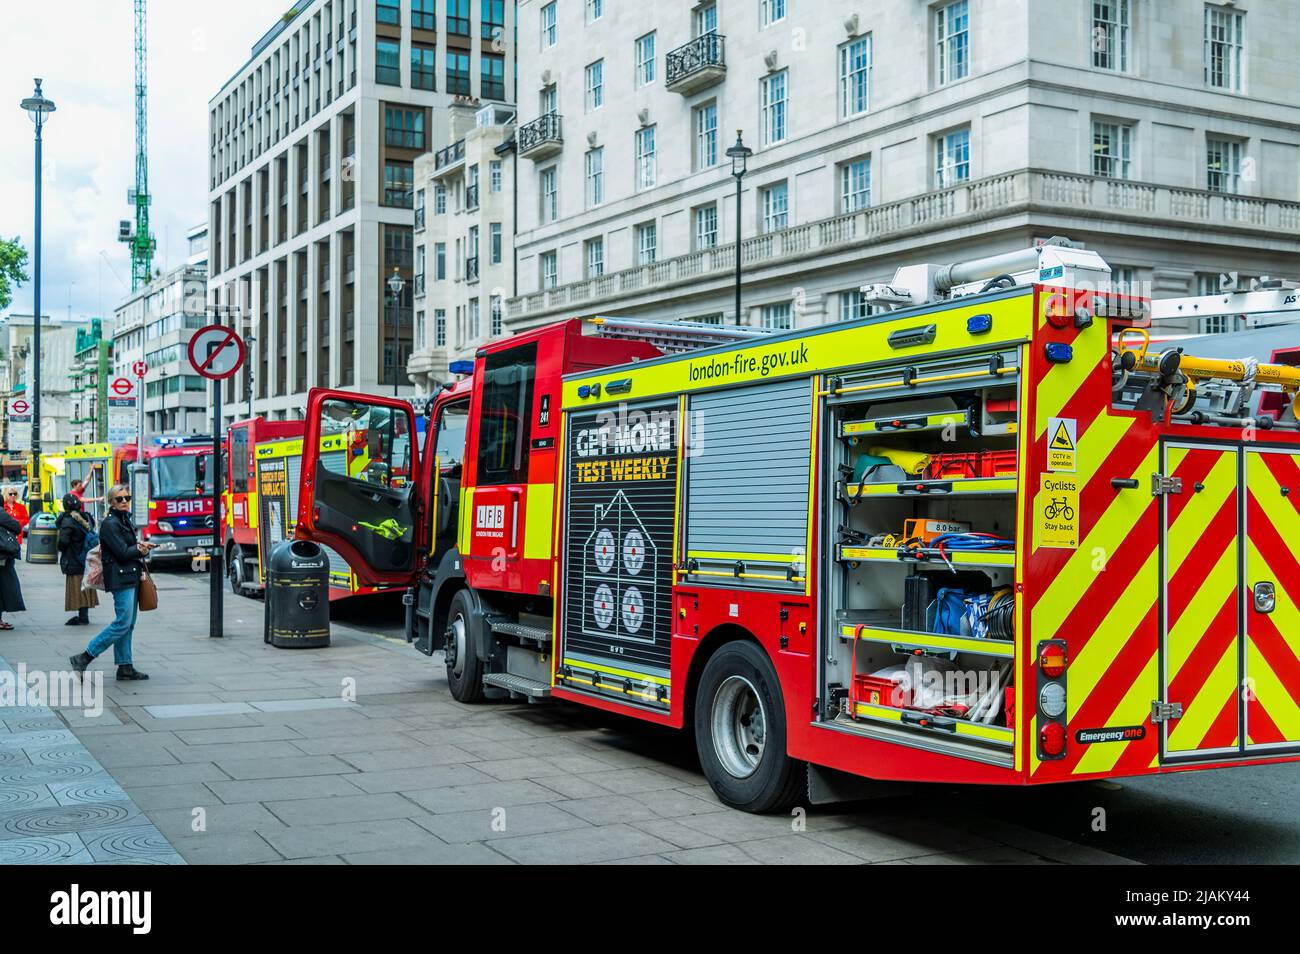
(464, 233)
(312, 149)
(1164, 134)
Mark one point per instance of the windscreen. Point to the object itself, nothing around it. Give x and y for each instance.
(178, 478)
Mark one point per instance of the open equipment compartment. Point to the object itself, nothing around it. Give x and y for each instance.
(919, 465)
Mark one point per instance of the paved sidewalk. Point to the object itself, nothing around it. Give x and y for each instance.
(234, 752)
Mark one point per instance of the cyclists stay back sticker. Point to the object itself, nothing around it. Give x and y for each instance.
(1062, 443)
(1058, 511)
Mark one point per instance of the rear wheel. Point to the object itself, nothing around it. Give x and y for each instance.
(740, 731)
(464, 668)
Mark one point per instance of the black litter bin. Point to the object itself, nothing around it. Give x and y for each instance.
(298, 596)
(42, 539)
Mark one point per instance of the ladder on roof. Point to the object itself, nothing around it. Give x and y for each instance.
(674, 337)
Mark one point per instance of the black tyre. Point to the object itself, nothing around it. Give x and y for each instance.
(235, 569)
(740, 731)
(464, 668)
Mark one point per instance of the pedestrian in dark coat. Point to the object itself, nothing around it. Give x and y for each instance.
(122, 555)
(11, 591)
(74, 525)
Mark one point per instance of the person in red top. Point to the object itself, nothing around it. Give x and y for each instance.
(16, 509)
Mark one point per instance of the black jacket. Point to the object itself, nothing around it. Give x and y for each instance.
(117, 544)
(11, 592)
(72, 539)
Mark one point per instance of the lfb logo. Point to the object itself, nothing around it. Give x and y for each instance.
(490, 517)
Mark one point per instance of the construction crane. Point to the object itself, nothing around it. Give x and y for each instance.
(136, 234)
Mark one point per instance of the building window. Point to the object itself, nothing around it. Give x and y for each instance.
(548, 25)
(711, 319)
(388, 11)
(404, 128)
(548, 195)
(440, 261)
(494, 243)
(457, 73)
(646, 168)
(1224, 47)
(772, 11)
(399, 181)
(496, 315)
(645, 59)
(853, 304)
(550, 273)
(493, 25)
(595, 257)
(595, 85)
(776, 206)
(647, 243)
(706, 135)
(595, 10)
(424, 15)
(424, 66)
(458, 17)
(855, 77)
(855, 185)
(494, 175)
(546, 100)
(952, 41)
(776, 317)
(595, 176)
(439, 199)
(1223, 165)
(772, 101)
(388, 68)
(440, 328)
(1111, 150)
(951, 158)
(706, 19)
(492, 78)
(1110, 26)
(475, 328)
(1123, 281)
(706, 227)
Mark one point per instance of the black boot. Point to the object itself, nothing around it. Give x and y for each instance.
(129, 672)
(76, 621)
(80, 662)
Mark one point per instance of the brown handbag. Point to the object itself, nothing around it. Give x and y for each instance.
(148, 592)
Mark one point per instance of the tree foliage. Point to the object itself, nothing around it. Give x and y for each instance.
(12, 274)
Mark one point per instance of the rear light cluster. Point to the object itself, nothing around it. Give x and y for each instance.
(1052, 663)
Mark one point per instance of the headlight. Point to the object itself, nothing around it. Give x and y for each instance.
(165, 526)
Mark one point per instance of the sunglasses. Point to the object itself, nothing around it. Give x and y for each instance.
(122, 499)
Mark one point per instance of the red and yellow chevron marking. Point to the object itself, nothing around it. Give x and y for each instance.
(1273, 639)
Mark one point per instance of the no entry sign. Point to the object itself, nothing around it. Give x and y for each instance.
(216, 351)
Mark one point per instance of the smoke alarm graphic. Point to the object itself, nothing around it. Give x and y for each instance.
(620, 588)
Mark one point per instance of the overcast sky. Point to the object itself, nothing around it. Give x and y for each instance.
(83, 50)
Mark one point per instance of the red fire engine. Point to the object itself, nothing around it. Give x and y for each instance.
(175, 511)
(991, 535)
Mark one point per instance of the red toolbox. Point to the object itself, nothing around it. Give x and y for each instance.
(1001, 463)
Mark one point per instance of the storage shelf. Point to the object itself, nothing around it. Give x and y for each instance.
(849, 491)
(908, 641)
(940, 725)
(926, 556)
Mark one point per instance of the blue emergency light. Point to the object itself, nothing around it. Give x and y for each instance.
(1058, 352)
(460, 367)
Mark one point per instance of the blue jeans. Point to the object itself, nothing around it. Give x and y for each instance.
(118, 633)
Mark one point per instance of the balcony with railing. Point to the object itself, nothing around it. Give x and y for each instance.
(540, 138)
(448, 159)
(1057, 199)
(696, 65)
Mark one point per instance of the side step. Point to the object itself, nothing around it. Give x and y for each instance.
(531, 689)
(533, 634)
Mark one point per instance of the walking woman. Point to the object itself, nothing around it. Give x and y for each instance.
(122, 555)
(11, 591)
(74, 526)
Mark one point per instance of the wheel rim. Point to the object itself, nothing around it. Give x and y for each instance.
(739, 726)
(456, 645)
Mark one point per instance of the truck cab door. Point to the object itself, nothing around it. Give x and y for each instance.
(361, 496)
(444, 468)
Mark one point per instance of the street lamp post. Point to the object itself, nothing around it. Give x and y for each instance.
(395, 286)
(739, 155)
(38, 108)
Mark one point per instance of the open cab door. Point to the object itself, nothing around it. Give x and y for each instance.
(359, 491)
